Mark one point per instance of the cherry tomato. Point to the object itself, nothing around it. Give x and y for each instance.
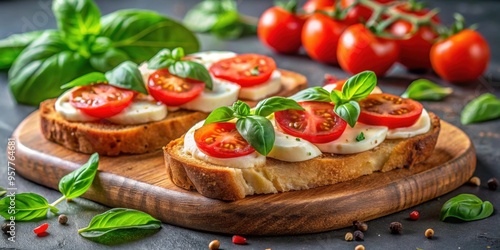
(280, 30)
(331, 83)
(246, 70)
(313, 5)
(320, 36)
(101, 100)
(389, 110)
(359, 50)
(222, 140)
(173, 90)
(462, 57)
(359, 13)
(317, 123)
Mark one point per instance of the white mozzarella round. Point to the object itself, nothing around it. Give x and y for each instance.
(140, 112)
(347, 143)
(223, 93)
(292, 149)
(422, 126)
(263, 90)
(207, 58)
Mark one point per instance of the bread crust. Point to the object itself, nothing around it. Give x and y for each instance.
(228, 183)
(113, 139)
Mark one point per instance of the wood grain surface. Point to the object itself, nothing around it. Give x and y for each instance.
(140, 182)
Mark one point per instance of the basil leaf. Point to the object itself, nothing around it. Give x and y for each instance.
(221, 114)
(360, 137)
(12, 46)
(258, 131)
(3, 191)
(141, 34)
(109, 227)
(274, 104)
(483, 108)
(312, 94)
(43, 67)
(359, 86)
(349, 112)
(466, 207)
(128, 76)
(108, 60)
(78, 182)
(28, 207)
(161, 60)
(336, 97)
(90, 78)
(76, 19)
(193, 70)
(425, 90)
(241, 109)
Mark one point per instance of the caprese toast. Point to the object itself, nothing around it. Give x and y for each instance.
(138, 109)
(314, 138)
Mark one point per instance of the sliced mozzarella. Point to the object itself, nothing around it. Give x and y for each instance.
(139, 112)
(207, 58)
(145, 72)
(263, 90)
(292, 149)
(347, 143)
(422, 126)
(223, 93)
(248, 161)
(70, 113)
(331, 86)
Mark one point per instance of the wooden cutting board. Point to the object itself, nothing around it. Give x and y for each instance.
(140, 182)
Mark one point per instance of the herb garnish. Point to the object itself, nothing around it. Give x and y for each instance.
(483, 108)
(467, 207)
(425, 90)
(360, 137)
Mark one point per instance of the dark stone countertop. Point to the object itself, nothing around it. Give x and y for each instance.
(24, 15)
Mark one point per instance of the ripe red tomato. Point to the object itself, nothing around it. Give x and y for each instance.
(280, 30)
(331, 82)
(173, 90)
(222, 140)
(462, 57)
(317, 123)
(313, 5)
(320, 36)
(389, 110)
(101, 100)
(246, 70)
(359, 13)
(359, 50)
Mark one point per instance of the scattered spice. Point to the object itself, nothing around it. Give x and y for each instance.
(349, 236)
(41, 230)
(297, 139)
(358, 235)
(5, 228)
(360, 225)
(493, 184)
(414, 215)
(429, 233)
(396, 227)
(239, 240)
(475, 181)
(359, 247)
(62, 219)
(214, 245)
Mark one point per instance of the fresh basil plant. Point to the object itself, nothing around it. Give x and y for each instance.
(12, 46)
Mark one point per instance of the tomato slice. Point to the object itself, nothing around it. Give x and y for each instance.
(101, 100)
(222, 140)
(331, 82)
(389, 110)
(173, 90)
(317, 123)
(246, 70)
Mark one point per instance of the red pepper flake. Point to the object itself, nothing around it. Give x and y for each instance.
(239, 240)
(43, 234)
(41, 229)
(414, 215)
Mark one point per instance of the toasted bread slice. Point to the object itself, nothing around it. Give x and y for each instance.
(111, 139)
(227, 183)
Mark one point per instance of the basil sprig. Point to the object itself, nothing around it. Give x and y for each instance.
(78, 182)
(467, 207)
(126, 75)
(425, 90)
(483, 108)
(346, 104)
(3, 191)
(255, 128)
(172, 60)
(119, 225)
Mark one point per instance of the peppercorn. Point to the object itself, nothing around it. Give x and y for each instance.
(214, 245)
(414, 215)
(396, 227)
(359, 247)
(358, 235)
(360, 225)
(429, 233)
(493, 184)
(5, 228)
(349, 236)
(475, 181)
(63, 219)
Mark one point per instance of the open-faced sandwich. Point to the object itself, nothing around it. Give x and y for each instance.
(138, 109)
(314, 138)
